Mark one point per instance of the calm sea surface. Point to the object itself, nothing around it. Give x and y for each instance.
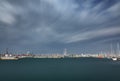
(82, 69)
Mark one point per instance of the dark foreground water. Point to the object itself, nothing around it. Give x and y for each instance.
(82, 69)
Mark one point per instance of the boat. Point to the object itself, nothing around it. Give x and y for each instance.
(114, 59)
(8, 57)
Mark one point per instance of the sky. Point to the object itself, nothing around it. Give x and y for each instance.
(50, 26)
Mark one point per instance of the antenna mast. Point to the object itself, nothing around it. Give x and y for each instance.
(6, 50)
(118, 48)
(111, 48)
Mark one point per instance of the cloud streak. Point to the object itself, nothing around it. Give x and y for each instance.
(92, 34)
(38, 23)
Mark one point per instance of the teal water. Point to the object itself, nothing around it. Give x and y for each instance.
(82, 69)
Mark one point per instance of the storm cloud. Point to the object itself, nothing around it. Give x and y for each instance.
(59, 24)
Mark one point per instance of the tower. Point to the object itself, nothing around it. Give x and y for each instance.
(65, 52)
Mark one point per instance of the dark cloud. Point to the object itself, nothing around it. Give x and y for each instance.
(59, 23)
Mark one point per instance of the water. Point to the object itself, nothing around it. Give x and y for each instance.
(82, 69)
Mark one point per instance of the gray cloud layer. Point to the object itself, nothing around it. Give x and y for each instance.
(58, 23)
